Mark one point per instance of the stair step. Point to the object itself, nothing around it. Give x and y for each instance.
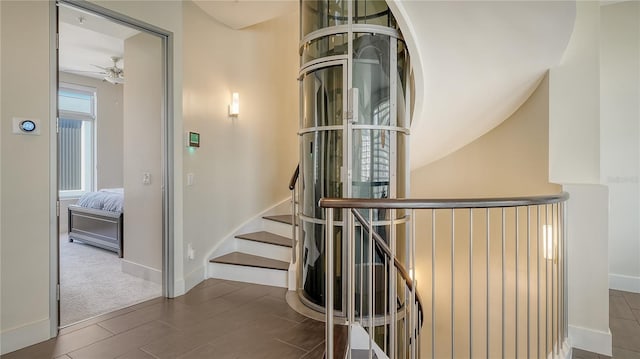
(282, 218)
(266, 237)
(249, 260)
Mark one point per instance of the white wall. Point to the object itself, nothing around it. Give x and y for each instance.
(25, 228)
(143, 147)
(574, 106)
(244, 164)
(588, 268)
(620, 138)
(574, 158)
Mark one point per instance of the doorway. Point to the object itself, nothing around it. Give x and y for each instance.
(113, 141)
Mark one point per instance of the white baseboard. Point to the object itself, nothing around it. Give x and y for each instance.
(194, 278)
(142, 271)
(178, 288)
(565, 351)
(24, 336)
(590, 340)
(626, 283)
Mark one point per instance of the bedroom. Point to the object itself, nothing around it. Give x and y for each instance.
(109, 154)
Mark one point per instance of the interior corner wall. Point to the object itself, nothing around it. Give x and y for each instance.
(620, 138)
(25, 222)
(243, 164)
(574, 103)
(574, 162)
(109, 145)
(510, 160)
(143, 119)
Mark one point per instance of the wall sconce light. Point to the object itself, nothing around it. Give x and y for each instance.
(547, 242)
(234, 107)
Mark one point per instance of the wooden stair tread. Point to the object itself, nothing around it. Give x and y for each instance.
(266, 237)
(249, 260)
(282, 218)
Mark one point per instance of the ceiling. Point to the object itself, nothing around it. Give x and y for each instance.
(475, 63)
(87, 40)
(238, 14)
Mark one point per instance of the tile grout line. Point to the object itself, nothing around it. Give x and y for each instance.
(291, 345)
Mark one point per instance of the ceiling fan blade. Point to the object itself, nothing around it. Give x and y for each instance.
(81, 72)
(101, 68)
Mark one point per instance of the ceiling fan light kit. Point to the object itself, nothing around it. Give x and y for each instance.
(114, 74)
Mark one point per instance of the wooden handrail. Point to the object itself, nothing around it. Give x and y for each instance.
(294, 178)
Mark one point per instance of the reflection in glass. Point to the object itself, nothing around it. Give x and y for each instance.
(313, 264)
(324, 46)
(321, 170)
(318, 14)
(371, 77)
(374, 12)
(322, 96)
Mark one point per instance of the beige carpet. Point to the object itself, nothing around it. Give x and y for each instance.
(92, 283)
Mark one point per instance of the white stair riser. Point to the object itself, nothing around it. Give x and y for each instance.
(278, 228)
(264, 249)
(272, 277)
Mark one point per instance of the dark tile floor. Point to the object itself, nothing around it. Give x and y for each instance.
(216, 319)
(624, 322)
(223, 319)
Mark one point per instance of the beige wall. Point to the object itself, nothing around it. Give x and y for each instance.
(26, 316)
(142, 146)
(109, 143)
(244, 164)
(511, 160)
(25, 201)
(620, 138)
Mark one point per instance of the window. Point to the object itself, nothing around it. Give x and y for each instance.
(76, 112)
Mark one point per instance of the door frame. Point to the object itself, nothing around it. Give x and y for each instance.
(167, 188)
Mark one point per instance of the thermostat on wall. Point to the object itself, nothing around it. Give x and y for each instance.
(24, 126)
(193, 139)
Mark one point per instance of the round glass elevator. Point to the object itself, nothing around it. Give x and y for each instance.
(354, 126)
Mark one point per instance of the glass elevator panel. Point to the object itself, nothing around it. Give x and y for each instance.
(354, 93)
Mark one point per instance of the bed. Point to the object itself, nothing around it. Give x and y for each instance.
(97, 219)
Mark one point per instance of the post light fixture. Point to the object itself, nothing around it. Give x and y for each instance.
(234, 107)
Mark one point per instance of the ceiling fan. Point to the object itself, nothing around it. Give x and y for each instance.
(113, 74)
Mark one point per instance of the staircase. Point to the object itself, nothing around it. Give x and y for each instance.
(261, 256)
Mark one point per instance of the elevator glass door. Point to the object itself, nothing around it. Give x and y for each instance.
(323, 147)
